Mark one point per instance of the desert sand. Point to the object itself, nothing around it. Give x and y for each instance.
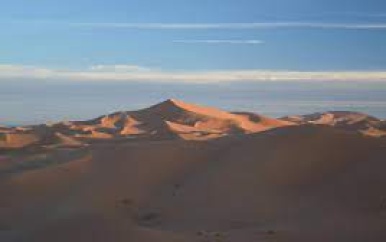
(181, 172)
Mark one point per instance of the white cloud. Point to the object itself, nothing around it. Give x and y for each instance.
(235, 26)
(105, 73)
(232, 42)
(232, 26)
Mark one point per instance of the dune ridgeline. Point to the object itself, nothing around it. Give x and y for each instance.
(178, 172)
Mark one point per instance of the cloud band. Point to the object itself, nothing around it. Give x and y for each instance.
(137, 73)
(214, 42)
(236, 26)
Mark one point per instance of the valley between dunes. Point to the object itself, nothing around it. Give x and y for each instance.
(178, 172)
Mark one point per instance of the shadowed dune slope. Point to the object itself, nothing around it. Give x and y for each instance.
(295, 183)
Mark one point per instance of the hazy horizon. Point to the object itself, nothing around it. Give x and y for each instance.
(33, 103)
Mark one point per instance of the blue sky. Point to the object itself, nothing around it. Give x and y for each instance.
(78, 59)
(40, 38)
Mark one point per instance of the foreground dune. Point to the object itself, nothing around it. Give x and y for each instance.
(288, 183)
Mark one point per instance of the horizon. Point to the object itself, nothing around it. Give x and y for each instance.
(22, 104)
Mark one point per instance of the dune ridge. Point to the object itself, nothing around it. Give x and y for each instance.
(170, 119)
(175, 119)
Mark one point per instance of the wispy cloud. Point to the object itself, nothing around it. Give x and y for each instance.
(110, 73)
(334, 14)
(358, 14)
(236, 26)
(222, 26)
(231, 42)
(118, 68)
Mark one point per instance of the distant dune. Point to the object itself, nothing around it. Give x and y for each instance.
(351, 121)
(181, 172)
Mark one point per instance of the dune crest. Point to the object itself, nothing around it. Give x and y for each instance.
(175, 119)
(170, 119)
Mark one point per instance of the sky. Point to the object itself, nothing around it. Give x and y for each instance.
(78, 59)
(193, 41)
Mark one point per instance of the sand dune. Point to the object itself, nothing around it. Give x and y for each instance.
(171, 119)
(18, 139)
(252, 182)
(352, 121)
(174, 119)
(177, 117)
